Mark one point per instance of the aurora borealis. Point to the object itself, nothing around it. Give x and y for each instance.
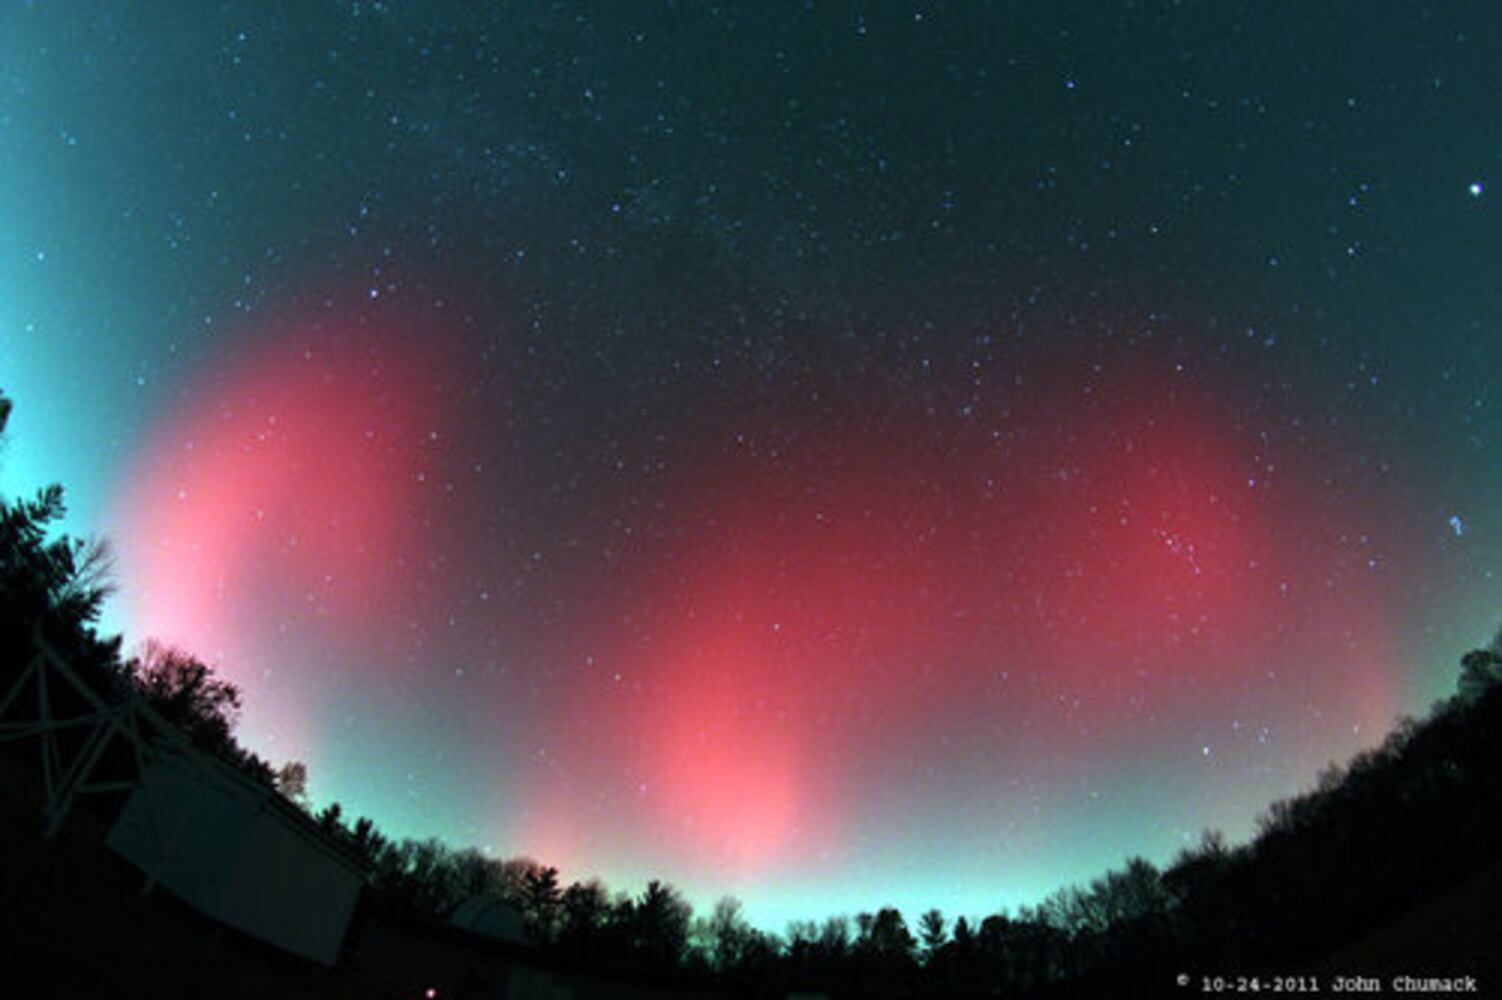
(916, 454)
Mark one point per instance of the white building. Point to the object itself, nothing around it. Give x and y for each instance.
(488, 914)
(239, 852)
(228, 845)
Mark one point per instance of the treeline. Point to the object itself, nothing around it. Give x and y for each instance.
(1372, 839)
(54, 589)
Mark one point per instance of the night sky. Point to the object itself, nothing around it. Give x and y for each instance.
(837, 456)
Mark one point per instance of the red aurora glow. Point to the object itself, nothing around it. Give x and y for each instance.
(288, 491)
(815, 610)
(835, 602)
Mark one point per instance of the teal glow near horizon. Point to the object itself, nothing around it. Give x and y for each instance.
(835, 462)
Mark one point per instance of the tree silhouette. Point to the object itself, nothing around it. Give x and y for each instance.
(659, 923)
(370, 841)
(834, 937)
(473, 873)
(1479, 670)
(802, 941)
(292, 781)
(186, 692)
(541, 904)
(964, 937)
(725, 934)
(584, 912)
(889, 936)
(332, 818)
(64, 579)
(931, 927)
(511, 877)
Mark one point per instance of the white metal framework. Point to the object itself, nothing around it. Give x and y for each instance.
(63, 780)
(231, 847)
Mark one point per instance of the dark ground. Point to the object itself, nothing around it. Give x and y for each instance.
(75, 919)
